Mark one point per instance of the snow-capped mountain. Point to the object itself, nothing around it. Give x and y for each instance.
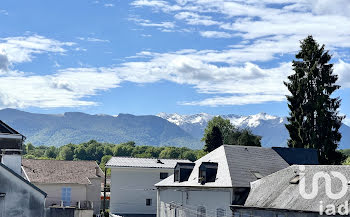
(271, 128)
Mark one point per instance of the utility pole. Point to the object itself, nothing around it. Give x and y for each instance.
(104, 192)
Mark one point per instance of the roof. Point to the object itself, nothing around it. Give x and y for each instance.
(59, 171)
(6, 129)
(143, 162)
(236, 166)
(10, 138)
(23, 179)
(301, 156)
(276, 192)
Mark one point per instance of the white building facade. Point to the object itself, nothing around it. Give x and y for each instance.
(214, 182)
(132, 184)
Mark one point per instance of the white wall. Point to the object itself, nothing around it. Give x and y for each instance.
(13, 161)
(130, 187)
(185, 201)
(20, 198)
(93, 193)
(54, 192)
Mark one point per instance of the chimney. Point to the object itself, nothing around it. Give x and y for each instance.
(12, 158)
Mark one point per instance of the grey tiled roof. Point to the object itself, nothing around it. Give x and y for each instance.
(57, 171)
(236, 165)
(244, 160)
(142, 162)
(276, 192)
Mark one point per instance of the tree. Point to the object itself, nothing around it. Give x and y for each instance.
(30, 147)
(314, 120)
(51, 152)
(225, 126)
(66, 153)
(170, 153)
(230, 135)
(104, 160)
(213, 139)
(123, 150)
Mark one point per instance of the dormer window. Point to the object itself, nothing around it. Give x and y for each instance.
(183, 171)
(207, 172)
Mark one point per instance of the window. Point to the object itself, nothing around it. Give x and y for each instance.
(176, 175)
(182, 171)
(246, 214)
(66, 196)
(201, 211)
(163, 175)
(236, 214)
(148, 202)
(295, 180)
(207, 172)
(257, 175)
(220, 212)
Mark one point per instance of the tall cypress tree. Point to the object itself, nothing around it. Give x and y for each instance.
(314, 120)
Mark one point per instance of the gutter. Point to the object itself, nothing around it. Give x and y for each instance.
(235, 207)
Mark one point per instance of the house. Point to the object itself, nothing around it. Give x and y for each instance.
(282, 194)
(18, 197)
(219, 179)
(67, 183)
(132, 184)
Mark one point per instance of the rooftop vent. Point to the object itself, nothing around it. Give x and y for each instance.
(159, 161)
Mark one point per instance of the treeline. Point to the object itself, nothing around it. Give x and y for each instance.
(102, 152)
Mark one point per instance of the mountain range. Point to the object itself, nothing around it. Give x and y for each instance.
(271, 128)
(156, 130)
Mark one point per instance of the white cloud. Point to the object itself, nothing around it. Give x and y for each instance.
(4, 63)
(148, 23)
(196, 19)
(346, 121)
(343, 70)
(236, 100)
(92, 39)
(108, 5)
(21, 49)
(216, 34)
(4, 12)
(67, 88)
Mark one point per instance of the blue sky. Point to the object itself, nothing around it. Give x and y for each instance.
(151, 56)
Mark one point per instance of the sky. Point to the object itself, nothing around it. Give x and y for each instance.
(151, 56)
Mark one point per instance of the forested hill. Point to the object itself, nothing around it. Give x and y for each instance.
(75, 127)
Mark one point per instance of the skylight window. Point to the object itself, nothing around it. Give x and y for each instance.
(257, 175)
(295, 180)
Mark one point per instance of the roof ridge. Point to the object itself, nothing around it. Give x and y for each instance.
(60, 160)
(153, 158)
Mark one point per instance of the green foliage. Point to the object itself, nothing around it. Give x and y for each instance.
(314, 118)
(102, 152)
(51, 152)
(230, 135)
(104, 160)
(347, 161)
(213, 139)
(66, 153)
(346, 152)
